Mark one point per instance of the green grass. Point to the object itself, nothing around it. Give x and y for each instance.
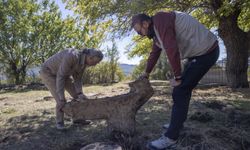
(242, 104)
(8, 111)
(27, 121)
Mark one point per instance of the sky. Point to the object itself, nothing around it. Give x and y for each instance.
(124, 41)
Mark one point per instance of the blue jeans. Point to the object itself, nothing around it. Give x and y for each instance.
(195, 69)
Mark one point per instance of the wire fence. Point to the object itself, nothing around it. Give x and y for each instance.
(216, 75)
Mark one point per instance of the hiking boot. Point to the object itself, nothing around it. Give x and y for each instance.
(60, 126)
(162, 143)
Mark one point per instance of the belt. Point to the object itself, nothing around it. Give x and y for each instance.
(215, 45)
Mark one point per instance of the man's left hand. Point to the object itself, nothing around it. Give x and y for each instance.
(174, 82)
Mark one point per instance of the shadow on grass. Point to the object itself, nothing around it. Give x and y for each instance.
(242, 104)
(21, 88)
(39, 132)
(20, 91)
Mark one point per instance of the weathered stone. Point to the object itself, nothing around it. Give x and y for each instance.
(119, 111)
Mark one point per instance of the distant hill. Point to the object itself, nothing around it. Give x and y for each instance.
(127, 69)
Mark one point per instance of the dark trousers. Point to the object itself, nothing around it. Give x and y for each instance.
(195, 69)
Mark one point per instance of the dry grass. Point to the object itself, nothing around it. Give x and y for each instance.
(219, 118)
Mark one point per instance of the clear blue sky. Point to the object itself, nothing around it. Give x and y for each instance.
(124, 41)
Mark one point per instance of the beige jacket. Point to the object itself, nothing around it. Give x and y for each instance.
(62, 65)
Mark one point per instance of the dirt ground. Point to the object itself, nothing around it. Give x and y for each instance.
(219, 119)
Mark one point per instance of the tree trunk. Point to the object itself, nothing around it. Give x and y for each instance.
(112, 73)
(23, 74)
(18, 74)
(236, 43)
(119, 111)
(17, 78)
(14, 73)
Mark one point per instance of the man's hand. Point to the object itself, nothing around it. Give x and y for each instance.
(81, 97)
(174, 82)
(60, 104)
(145, 75)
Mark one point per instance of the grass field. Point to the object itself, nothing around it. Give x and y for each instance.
(219, 118)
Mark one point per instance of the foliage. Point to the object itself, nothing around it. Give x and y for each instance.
(119, 11)
(142, 47)
(231, 18)
(31, 31)
(207, 14)
(16, 35)
(112, 55)
(139, 69)
(162, 69)
(107, 71)
(101, 74)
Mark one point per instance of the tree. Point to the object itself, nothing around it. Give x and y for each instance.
(162, 68)
(48, 31)
(101, 73)
(1, 73)
(15, 36)
(233, 23)
(143, 48)
(139, 69)
(113, 56)
(236, 39)
(30, 32)
(107, 71)
(230, 17)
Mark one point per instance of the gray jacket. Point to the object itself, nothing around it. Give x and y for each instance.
(62, 65)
